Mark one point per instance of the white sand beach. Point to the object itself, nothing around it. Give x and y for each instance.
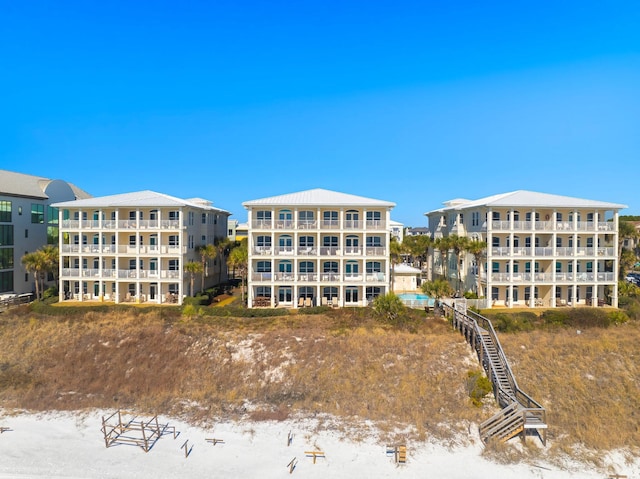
(71, 445)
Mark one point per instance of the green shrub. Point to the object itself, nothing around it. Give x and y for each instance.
(617, 317)
(198, 300)
(588, 318)
(50, 292)
(512, 322)
(235, 312)
(478, 386)
(555, 317)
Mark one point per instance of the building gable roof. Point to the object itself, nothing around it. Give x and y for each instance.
(521, 198)
(318, 197)
(30, 186)
(145, 198)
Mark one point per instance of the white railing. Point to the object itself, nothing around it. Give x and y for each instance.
(262, 224)
(284, 250)
(330, 224)
(544, 251)
(376, 251)
(376, 277)
(353, 250)
(307, 224)
(307, 250)
(353, 224)
(307, 276)
(284, 224)
(329, 251)
(376, 225)
(262, 250)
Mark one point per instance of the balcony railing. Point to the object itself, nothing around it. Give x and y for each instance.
(120, 224)
(118, 273)
(376, 251)
(549, 225)
(548, 252)
(558, 277)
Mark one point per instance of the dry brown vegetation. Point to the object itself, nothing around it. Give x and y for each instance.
(333, 365)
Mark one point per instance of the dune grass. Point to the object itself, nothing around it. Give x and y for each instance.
(340, 364)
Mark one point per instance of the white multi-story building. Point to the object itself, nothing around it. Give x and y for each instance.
(318, 247)
(542, 250)
(134, 246)
(28, 221)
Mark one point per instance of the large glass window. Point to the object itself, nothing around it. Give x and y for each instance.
(330, 267)
(330, 218)
(5, 214)
(374, 241)
(330, 241)
(285, 267)
(174, 265)
(285, 294)
(6, 281)
(6, 258)
(6, 235)
(351, 294)
(37, 213)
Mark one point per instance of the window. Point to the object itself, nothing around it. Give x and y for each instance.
(495, 242)
(6, 258)
(174, 240)
(330, 241)
(330, 292)
(306, 267)
(204, 219)
(495, 216)
(37, 213)
(330, 267)
(285, 267)
(263, 216)
(174, 215)
(6, 235)
(352, 241)
(285, 242)
(374, 267)
(461, 219)
(174, 265)
(306, 241)
(351, 294)
(263, 266)
(558, 267)
(374, 241)
(132, 240)
(373, 292)
(26, 233)
(351, 268)
(263, 241)
(495, 267)
(475, 218)
(284, 294)
(132, 264)
(6, 281)
(330, 218)
(495, 293)
(373, 218)
(351, 219)
(305, 217)
(5, 216)
(263, 291)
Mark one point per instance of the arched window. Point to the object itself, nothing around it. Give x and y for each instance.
(306, 267)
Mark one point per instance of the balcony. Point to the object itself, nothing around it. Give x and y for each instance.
(97, 274)
(550, 226)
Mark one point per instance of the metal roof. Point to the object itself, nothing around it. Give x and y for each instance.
(145, 198)
(522, 198)
(30, 186)
(318, 197)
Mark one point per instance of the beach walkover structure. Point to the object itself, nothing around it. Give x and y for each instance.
(520, 414)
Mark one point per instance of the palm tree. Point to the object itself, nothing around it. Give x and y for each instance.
(626, 230)
(438, 289)
(459, 246)
(192, 267)
(395, 255)
(51, 258)
(35, 263)
(222, 246)
(238, 259)
(206, 251)
(479, 250)
(443, 244)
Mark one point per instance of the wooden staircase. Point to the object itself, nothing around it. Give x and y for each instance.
(520, 414)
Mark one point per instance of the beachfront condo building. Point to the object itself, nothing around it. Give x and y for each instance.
(318, 247)
(28, 221)
(133, 247)
(542, 250)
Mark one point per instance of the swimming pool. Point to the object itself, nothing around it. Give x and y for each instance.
(416, 300)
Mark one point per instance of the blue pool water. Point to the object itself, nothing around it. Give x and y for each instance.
(416, 299)
(414, 296)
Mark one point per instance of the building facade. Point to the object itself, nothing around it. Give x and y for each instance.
(28, 221)
(133, 247)
(318, 247)
(542, 250)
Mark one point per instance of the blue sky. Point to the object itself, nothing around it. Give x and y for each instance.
(411, 102)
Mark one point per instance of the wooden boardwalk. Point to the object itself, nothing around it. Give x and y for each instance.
(520, 414)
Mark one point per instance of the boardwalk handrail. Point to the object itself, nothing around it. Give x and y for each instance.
(532, 413)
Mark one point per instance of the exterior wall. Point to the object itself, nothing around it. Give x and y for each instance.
(29, 233)
(136, 254)
(405, 282)
(536, 256)
(298, 257)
